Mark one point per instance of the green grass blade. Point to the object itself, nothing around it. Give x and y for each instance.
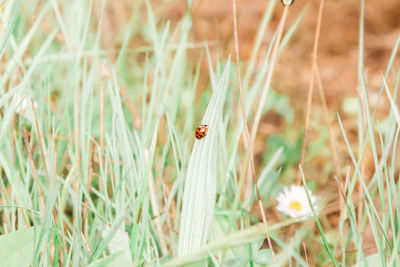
(10, 26)
(319, 226)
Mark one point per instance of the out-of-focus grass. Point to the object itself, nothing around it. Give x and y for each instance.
(78, 200)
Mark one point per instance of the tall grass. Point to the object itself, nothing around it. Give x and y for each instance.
(108, 172)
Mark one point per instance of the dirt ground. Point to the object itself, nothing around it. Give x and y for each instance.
(338, 43)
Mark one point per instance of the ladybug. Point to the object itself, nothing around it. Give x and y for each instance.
(201, 131)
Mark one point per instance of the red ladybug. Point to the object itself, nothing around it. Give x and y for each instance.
(201, 131)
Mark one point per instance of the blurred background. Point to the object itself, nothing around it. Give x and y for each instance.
(337, 55)
(338, 44)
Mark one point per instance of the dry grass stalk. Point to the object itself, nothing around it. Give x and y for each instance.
(310, 90)
(156, 212)
(40, 194)
(42, 152)
(250, 171)
(169, 224)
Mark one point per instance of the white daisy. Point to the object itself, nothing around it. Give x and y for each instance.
(294, 203)
(24, 106)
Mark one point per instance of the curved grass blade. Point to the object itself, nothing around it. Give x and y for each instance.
(10, 27)
(200, 186)
(233, 240)
(319, 226)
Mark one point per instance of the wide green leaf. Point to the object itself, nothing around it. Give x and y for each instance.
(201, 181)
(16, 248)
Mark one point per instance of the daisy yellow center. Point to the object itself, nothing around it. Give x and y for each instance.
(295, 205)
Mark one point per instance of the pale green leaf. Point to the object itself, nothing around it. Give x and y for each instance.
(263, 256)
(374, 260)
(117, 259)
(201, 181)
(16, 248)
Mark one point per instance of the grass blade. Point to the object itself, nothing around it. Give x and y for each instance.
(10, 26)
(200, 185)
